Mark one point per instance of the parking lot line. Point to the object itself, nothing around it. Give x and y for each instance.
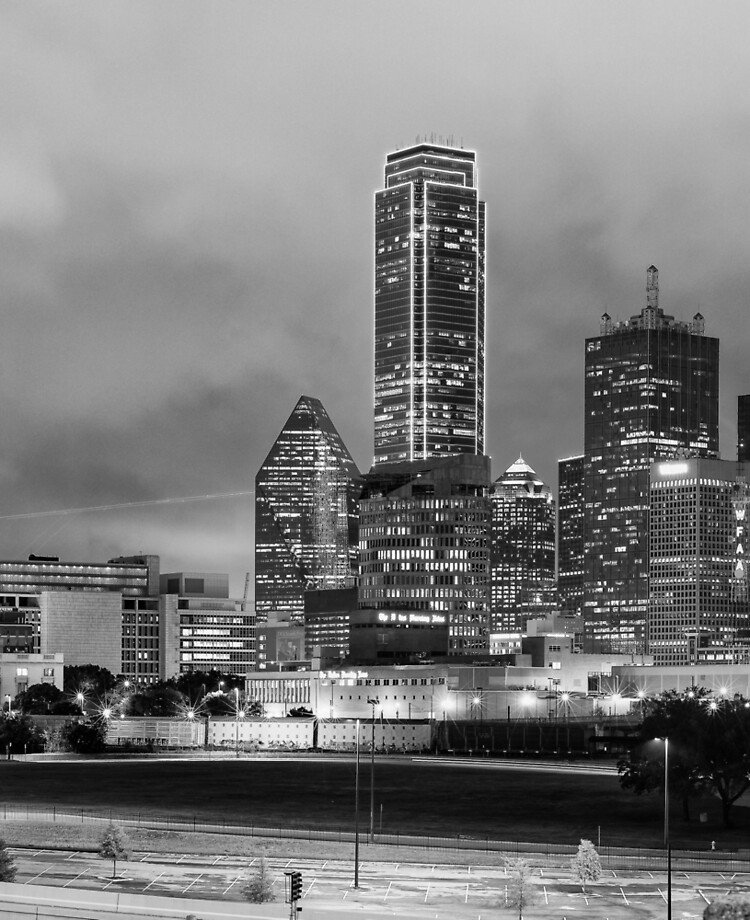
(196, 879)
(232, 884)
(75, 879)
(153, 881)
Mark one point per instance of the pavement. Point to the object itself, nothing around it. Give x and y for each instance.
(73, 884)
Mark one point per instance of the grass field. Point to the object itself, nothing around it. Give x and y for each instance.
(416, 798)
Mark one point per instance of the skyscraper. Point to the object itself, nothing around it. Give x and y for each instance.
(570, 508)
(429, 306)
(424, 529)
(698, 608)
(305, 513)
(743, 429)
(651, 390)
(522, 547)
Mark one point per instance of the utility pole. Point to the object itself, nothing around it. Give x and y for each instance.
(375, 701)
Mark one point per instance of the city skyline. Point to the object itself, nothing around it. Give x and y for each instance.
(187, 234)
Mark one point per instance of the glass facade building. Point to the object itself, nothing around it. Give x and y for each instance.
(424, 544)
(570, 507)
(698, 608)
(522, 550)
(305, 514)
(429, 306)
(743, 429)
(651, 391)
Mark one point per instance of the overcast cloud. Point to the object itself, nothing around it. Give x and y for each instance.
(186, 230)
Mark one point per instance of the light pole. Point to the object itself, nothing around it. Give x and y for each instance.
(237, 721)
(375, 701)
(666, 828)
(356, 810)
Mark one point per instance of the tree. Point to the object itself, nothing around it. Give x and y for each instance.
(18, 734)
(586, 865)
(7, 864)
(709, 748)
(84, 737)
(732, 906)
(113, 844)
(160, 699)
(41, 699)
(519, 892)
(89, 679)
(259, 887)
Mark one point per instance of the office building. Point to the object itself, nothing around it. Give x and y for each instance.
(522, 548)
(201, 628)
(429, 306)
(570, 508)
(327, 618)
(698, 610)
(651, 391)
(305, 513)
(743, 429)
(92, 613)
(424, 544)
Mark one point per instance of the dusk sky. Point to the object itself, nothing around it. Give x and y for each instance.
(186, 231)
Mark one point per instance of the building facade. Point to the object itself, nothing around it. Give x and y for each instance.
(522, 547)
(305, 513)
(570, 511)
(424, 544)
(743, 429)
(651, 390)
(429, 306)
(698, 609)
(92, 613)
(201, 628)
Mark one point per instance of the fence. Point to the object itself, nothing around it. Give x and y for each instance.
(546, 854)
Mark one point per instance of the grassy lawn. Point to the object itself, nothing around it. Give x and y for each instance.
(416, 798)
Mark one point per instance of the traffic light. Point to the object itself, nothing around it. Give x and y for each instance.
(296, 887)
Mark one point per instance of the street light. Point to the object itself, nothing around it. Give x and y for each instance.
(236, 721)
(80, 700)
(356, 810)
(375, 701)
(666, 828)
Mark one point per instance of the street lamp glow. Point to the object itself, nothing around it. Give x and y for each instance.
(713, 705)
(107, 713)
(191, 713)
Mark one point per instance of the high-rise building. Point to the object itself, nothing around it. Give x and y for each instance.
(698, 608)
(743, 429)
(429, 306)
(424, 544)
(305, 514)
(651, 390)
(570, 507)
(522, 548)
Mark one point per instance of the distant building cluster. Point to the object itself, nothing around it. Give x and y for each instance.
(424, 562)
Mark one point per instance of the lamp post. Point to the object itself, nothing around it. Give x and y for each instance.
(375, 701)
(667, 844)
(356, 810)
(236, 721)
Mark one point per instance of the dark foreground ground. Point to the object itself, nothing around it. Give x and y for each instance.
(501, 803)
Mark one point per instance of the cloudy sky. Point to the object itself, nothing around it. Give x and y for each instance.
(186, 197)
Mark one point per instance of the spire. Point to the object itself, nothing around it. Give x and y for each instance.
(652, 287)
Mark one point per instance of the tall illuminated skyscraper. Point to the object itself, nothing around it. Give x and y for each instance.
(429, 306)
(651, 390)
(522, 550)
(570, 510)
(305, 514)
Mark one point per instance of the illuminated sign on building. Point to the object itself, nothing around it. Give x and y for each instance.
(424, 619)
